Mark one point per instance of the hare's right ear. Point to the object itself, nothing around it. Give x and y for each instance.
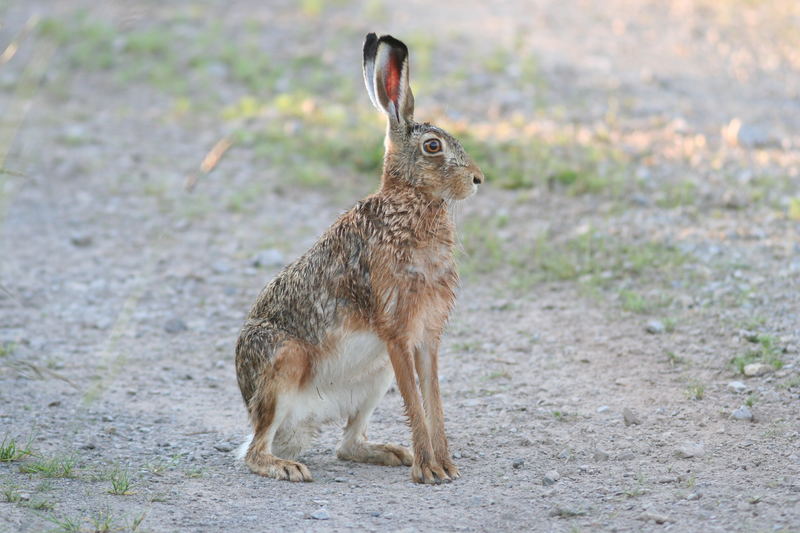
(386, 78)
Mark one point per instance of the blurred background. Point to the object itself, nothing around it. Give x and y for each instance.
(160, 161)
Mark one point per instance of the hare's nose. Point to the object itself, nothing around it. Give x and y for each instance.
(477, 179)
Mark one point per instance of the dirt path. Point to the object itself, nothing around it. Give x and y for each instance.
(635, 249)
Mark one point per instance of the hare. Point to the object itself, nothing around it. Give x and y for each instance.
(367, 302)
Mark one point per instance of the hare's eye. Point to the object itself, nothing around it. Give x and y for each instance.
(432, 146)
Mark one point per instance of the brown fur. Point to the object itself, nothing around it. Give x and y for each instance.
(386, 267)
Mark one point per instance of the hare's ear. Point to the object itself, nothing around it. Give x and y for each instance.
(386, 78)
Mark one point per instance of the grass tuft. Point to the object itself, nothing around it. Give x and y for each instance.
(11, 451)
(58, 467)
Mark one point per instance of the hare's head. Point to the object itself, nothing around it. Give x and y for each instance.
(417, 155)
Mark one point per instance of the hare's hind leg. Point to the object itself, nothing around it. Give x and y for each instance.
(355, 446)
(269, 407)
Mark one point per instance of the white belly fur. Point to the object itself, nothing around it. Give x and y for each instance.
(356, 371)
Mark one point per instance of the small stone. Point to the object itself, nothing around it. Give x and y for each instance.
(603, 409)
(690, 449)
(742, 413)
(630, 418)
(24, 496)
(600, 455)
(340, 480)
(321, 514)
(268, 258)
(655, 517)
(519, 462)
(107, 418)
(175, 325)
(54, 403)
(626, 456)
(757, 369)
(551, 477)
(375, 514)
(756, 136)
(737, 386)
(456, 455)
(655, 327)
(80, 240)
(564, 454)
(694, 496)
(224, 447)
(88, 446)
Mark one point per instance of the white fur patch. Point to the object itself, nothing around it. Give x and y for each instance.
(241, 451)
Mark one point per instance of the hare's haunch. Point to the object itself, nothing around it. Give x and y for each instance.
(367, 302)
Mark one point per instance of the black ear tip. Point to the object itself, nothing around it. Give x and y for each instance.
(394, 43)
(370, 46)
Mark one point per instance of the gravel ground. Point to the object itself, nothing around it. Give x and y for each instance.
(600, 398)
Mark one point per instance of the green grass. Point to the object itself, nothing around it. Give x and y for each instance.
(65, 524)
(695, 390)
(764, 351)
(58, 467)
(7, 348)
(11, 494)
(120, 482)
(594, 259)
(525, 161)
(10, 450)
(674, 359)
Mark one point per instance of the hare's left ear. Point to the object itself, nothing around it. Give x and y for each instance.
(386, 78)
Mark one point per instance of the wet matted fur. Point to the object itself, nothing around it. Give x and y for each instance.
(366, 303)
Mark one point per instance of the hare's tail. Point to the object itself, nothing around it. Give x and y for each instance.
(241, 451)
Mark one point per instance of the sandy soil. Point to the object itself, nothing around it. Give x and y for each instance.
(122, 293)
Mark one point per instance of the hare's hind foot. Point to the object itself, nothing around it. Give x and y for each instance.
(271, 466)
(379, 454)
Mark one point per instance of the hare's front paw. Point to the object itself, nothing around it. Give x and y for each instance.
(451, 469)
(280, 469)
(429, 473)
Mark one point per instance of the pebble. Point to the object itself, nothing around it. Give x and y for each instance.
(694, 496)
(603, 409)
(224, 447)
(80, 240)
(175, 325)
(321, 514)
(655, 517)
(630, 418)
(742, 413)
(600, 455)
(519, 462)
(690, 449)
(551, 477)
(757, 369)
(270, 257)
(737, 386)
(655, 327)
(756, 136)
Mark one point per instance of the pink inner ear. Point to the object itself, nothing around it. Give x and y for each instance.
(392, 80)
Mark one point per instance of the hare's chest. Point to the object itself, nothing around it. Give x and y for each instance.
(431, 263)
